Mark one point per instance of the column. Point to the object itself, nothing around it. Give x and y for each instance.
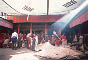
(45, 30)
(31, 28)
(18, 28)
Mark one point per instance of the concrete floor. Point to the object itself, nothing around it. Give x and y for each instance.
(20, 54)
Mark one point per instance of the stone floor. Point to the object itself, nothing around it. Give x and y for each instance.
(22, 54)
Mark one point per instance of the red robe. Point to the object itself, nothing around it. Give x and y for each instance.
(24, 37)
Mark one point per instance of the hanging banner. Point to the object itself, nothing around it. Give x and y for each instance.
(39, 7)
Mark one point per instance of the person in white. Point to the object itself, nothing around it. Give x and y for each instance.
(75, 39)
(14, 39)
(81, 39)
(14, 34)
(5, 44)
(81, 42)
(36, 42)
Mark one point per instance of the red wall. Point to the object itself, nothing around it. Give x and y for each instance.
(81, 19)
(34, 18)
(5, 24)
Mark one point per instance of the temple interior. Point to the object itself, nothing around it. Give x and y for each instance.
(43, 29)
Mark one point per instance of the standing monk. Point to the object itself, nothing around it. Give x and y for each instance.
(29, 39)
(23, 38)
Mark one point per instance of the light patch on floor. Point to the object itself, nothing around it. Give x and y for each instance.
(24, 56)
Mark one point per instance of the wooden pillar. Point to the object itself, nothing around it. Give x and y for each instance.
(45, 30)
(31, 28)
(18, 28)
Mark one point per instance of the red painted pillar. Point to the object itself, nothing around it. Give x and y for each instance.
(45, 30)
(31, 28)
(18, 28)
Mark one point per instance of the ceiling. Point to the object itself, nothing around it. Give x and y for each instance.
(38, 7)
